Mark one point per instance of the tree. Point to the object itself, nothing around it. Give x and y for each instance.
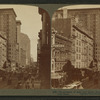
(68, 69)
(72, 72)
(77, 74)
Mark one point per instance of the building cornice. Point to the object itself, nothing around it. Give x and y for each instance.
(82, 32)
(62, 37)
(3, 37)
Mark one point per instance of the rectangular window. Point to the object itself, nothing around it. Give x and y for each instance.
(79, 65)
(76, 49)
(77, 56)
(77, 42)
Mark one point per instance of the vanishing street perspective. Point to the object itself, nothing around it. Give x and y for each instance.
(24, 48)
(75, 48)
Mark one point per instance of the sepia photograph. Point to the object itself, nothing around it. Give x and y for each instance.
(75, 47)
(24, 47)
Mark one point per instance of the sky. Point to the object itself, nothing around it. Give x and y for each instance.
(31, 23)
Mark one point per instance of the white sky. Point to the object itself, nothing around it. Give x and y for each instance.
(31, 23)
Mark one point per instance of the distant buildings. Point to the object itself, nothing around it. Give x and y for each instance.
(12, 29)
(18, 30)
(22, 57)
(25, 45)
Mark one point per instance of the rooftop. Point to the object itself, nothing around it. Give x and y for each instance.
(11, 9)
(84, 9)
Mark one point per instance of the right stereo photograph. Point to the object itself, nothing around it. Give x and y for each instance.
(75, 47)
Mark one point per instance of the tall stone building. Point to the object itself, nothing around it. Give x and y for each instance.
(18, 30)
(83, 47)
(22, 57)
(18, 44)
(25, 45)
(3, 48)
(8, 25)
(89, 19)
(39, 48)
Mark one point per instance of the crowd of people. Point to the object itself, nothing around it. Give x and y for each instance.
(24, 79)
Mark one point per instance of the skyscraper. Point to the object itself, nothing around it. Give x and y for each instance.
(3, 48)
(8, 25)
(25, 45)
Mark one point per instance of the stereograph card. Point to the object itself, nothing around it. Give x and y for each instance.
(49, 50)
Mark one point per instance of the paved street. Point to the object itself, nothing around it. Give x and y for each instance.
(19, 81)
(28, 84)
(90, 84)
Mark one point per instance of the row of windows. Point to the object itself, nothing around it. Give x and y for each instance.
(80, 43)
(78, 56)
(81, 65)
(81, 36)
(84, 49)
(78, 49)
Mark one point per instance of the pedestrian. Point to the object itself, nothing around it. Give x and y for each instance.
(27, 84)
(32, 81)
(19, 85)
(68, 68)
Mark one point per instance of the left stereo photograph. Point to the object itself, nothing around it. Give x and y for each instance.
(24, 47)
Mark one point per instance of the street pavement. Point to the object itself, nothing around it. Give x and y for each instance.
(90, 84)
(15, 84)
(86, 84)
